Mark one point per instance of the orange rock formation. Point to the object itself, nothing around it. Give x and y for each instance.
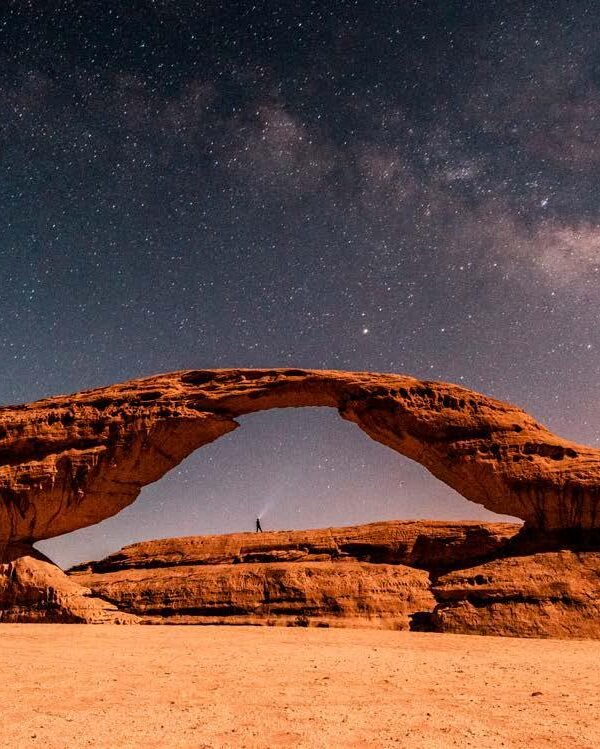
(551, 594)
(360, 575)
(69, 462)
(446, 577)
(33, 589)
(433, 545)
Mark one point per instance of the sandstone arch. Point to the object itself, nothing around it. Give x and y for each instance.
(69, 462)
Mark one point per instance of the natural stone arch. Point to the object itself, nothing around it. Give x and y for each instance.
(70, 462)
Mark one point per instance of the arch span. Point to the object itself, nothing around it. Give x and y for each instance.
(69, 462)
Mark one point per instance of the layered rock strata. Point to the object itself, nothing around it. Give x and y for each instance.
(552, 594)
(467, 578)
(294, 593)
(431, 545)
(371, 575)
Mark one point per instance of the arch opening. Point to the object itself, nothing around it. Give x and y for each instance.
(297, 468)
(72, 461)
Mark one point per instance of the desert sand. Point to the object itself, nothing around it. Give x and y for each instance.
(198, 687)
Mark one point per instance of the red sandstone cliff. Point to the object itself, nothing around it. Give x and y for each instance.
(369, 575)
(399, 575)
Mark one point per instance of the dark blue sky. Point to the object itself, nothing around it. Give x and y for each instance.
(407, 187)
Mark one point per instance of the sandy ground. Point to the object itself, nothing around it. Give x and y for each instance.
(198, 687)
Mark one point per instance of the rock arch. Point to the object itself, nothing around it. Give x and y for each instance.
(69, 462)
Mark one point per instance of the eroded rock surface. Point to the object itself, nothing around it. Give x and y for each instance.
(297, 593)
(427, 544)
(467, 578)
(552, 594)
(71, 461)
(32, 589)
(358, 575)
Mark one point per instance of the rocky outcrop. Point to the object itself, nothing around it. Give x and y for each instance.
(294, 593)
(468, 578)
(32, 589)
(552, 594)
(69, 462)
(375, 575)
(432, 545)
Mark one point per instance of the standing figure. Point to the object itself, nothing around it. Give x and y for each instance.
(258, 526)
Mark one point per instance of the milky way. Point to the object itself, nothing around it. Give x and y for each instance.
(408, 187)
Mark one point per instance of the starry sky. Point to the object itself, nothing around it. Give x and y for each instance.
(390, 186)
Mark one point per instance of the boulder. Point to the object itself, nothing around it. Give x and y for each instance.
(32, 589)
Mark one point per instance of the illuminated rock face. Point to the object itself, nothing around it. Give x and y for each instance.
(71, 461)
(374, 575)
(34, 590)
(460, 577)
(549, 594)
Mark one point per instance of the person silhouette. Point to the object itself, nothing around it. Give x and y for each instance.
(258, 526)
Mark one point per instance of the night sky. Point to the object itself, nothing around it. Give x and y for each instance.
(390, 186)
